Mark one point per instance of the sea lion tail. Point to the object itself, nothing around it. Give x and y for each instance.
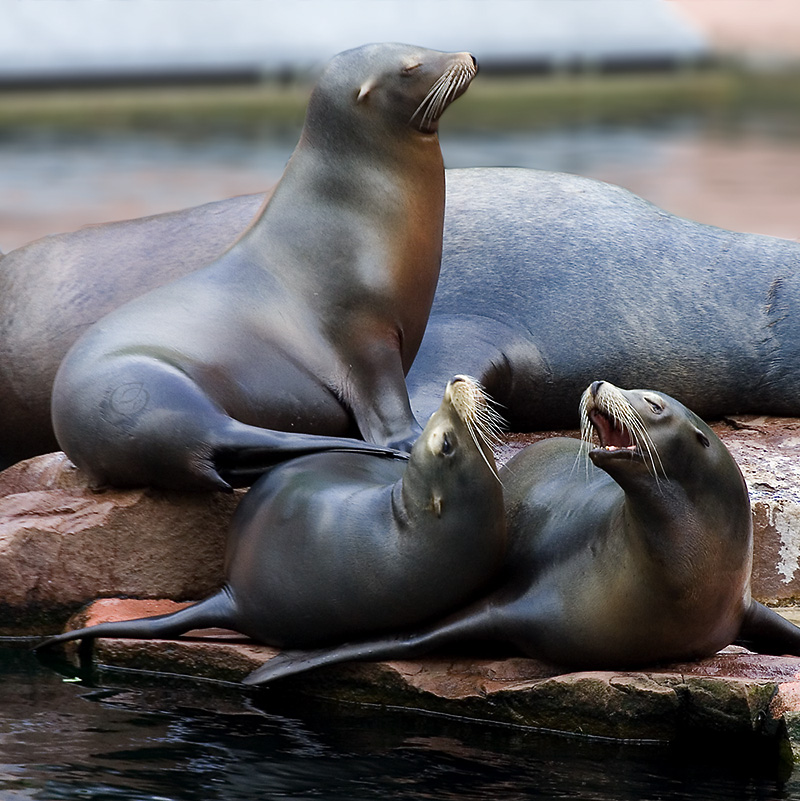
(766, 632)
(215, 611)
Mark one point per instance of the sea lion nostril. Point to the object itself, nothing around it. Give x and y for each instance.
(595, 388)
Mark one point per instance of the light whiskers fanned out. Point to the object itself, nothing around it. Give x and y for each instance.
(442, 93)
(618, 425)
(475, 409)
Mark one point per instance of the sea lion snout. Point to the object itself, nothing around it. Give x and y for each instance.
(456, 75)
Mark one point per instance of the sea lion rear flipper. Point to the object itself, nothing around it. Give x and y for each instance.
(217, 610)
(469, 623)
(766, 632)
(290, 663)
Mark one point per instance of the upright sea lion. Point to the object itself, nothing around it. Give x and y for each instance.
(337, 545)
(307, 325)
(642, 556)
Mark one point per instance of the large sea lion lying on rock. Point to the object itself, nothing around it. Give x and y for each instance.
(547, 278)
(642, 556)
(553, 278)
(707, 314)
(335, 545)
(307, 324)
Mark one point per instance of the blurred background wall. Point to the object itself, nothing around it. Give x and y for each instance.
(83, 40)
(119, 108)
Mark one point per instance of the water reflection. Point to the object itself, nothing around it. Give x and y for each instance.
(148, 739)
(744, 179)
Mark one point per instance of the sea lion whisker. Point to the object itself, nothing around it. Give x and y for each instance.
(441, 93)
(646, 447)
(491, 421)
(635, 425)
(477, 440)
(441, 99)
(461, 76)
(643, 441)
(450, 88)
(647, 444)
(581, 457)
(473, 406)
(426, 100)
(587, 432)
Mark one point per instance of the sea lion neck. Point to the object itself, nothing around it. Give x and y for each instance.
(346, 137)
(324, 197)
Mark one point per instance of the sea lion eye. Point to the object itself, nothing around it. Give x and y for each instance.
(447, 445)
(410, 69)
(655, 406)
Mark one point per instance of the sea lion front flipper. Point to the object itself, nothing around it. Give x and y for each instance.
(766, 632)
(242, 453)
(379, 400)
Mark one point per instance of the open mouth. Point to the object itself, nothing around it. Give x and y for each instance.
(614, 437)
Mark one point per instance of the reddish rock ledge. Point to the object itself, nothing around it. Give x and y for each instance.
(63, 544)
(733, 694)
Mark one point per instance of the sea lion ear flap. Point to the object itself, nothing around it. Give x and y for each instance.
(702, 438)
(363, 93)
(436, 505)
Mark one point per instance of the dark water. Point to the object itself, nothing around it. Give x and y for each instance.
(132, 738)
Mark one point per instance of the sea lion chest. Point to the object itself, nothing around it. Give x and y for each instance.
(332, 545)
